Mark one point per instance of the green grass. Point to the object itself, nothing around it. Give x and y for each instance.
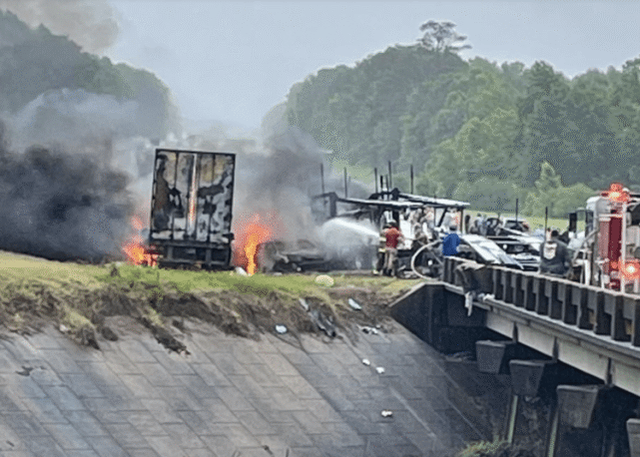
(71, 294)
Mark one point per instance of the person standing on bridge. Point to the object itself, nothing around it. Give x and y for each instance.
(555, 258)
(451, 242)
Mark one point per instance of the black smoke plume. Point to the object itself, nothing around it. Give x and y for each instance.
(61, 206)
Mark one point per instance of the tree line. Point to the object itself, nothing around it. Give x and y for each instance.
(35, 61)
(476, 130)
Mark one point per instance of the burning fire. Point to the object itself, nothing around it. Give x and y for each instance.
(135, 250)
(250, 235)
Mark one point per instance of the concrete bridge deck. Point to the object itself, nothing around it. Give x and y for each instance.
(591, 329)
(232, 396)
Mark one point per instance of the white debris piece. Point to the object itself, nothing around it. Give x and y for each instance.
(304, 304)
(380, 370)
(64, 328)
(366, 362)
(386, 413)
(354, 304)
(371, 330)
(241, 271)
(281, 329)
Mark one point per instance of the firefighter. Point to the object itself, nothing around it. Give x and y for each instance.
(393, 238)
(555, 258)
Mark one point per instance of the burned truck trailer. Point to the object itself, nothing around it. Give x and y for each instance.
(191, 208)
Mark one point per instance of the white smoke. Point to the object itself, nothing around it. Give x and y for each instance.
(89, 23)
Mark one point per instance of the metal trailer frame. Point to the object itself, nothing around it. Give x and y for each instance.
(187, 247)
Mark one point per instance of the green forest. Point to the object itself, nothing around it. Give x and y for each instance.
(34, 61)
(476, 130)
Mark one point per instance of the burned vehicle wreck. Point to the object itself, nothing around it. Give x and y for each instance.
(191, 209)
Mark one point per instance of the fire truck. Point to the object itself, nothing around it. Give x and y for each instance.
(609, 254)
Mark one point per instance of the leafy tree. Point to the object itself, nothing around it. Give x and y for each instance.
(549, 192)
(441, 37)
(34, 61)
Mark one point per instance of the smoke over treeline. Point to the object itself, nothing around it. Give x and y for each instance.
(90, 23)
(69, 121)
(36, 62)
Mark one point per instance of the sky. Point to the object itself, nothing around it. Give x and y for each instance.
(230, 62)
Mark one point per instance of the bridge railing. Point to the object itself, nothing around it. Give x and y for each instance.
(604, 312)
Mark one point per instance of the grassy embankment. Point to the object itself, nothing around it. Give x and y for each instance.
(34, 292)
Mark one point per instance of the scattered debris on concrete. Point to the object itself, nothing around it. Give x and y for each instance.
(386, 413)
(380, 370)
(355, 305)
(366, 362)
(370, 330)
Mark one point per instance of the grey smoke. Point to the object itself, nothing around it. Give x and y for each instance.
(283, 180)
(89, 23)
(75, 118)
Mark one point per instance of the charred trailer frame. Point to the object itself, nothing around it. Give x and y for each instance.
(191, 209)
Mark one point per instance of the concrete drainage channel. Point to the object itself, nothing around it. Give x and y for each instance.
(229, 396)
(507, 390)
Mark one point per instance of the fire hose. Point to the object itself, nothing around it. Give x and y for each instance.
(426, 247)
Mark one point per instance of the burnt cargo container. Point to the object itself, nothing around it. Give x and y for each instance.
(191, 208)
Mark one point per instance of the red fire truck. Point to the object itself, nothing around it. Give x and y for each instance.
(609, 256)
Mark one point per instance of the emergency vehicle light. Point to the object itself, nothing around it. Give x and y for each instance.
(616, 193)
(630, 270)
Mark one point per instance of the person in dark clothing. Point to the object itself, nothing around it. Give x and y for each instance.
(555, 258)
(451, 242)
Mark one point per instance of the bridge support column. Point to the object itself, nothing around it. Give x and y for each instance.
(493, 356)
(633, 433)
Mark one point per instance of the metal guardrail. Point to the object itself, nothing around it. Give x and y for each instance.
(602, 311)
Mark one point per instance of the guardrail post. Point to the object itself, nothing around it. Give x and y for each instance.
(516, 286)
(507, 288)
(569, 310)
(542, 304)
(551, 292)
(613, 306)
(446, 275)
(632, 318)
(529, 301)
(579, 299)
(498, 291)
(595, 302)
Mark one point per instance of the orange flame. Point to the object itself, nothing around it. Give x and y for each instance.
(249, 237)
(135, 250)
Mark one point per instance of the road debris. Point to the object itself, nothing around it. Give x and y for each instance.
(355, 305)
(366, 362)
(386, 413)
(380, 370)
(323, 323)
(281, 329)
(370, 330)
